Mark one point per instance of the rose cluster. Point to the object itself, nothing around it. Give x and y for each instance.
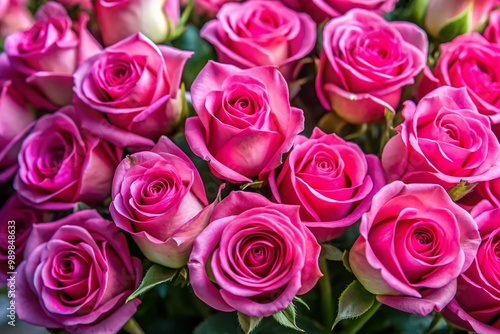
(159, 155)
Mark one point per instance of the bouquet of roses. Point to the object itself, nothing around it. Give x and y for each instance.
(250, 166)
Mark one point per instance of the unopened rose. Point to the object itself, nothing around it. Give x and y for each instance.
(61, 164)
(413, 244)
(136, 84)
(254, 256)
(257, 33)
(120, 19)
(245, 123)
(332, 180)
(159, 198)
(77, 274)
(365, 63)
(48, 53)
(443, 139)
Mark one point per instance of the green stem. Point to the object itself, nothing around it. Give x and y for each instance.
(358, 323)
(435, 321)
(326, 296)
(133, 327)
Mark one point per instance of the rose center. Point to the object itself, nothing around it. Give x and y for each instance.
(422, 236)
(67, 267)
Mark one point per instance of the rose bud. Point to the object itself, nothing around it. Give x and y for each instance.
(159, 198)
(413, 244)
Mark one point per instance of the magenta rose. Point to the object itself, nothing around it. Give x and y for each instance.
(119, 19)
(245, 123)
(15, 121)
(14, 16)
(77, 274)
(159, 198)
(476, 306)
(469, 61)
(16, 223)
(443, 139)
(332, 180)
(365, 63)
(136, 84)
(48, 53)
(257, 33)
(254, 256)
(492, 30)
(61, 164)
(413, 244)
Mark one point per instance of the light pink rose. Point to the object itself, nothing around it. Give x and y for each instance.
(48, 53)
(61, 164)
(14, 16)
(159, 198)
(210, 8)
(16, 120)
(119, 19)
(469, 61)
(365, 63)
(254, 256)
(321, 10)
(13, 236)
(332, 180)
(492, 30)
(257, 33)
(476, 306)
(245, 123)
(136, 84)
(444, 21)
(413, 244)
(443, 139)
(76, 275)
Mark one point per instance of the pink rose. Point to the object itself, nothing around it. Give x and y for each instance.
(245, 121)
(476, 305)
(14, 16)
(48, 53)
(413, 244)
(119, 19)
(159, 198)
(332, 180)
(81, 4)
(257, 33)
(15, 121)
(469, 61)
(136, 84)
(492, 30)
(61, 164)
(444, 140)
(210, 8)
(76, 274)
(444, 21)
(16, 223)
(365, 63)
(253, 257)
(321, 10)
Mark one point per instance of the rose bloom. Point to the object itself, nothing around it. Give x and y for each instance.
(257, 33)
(469, 61)
(210, 8)
(159, 198)
(254, 256)
(332, 180)
(76, 275)
(365, 63)
(476, 306)
(14, 16)
(136, 84)
(13, 236)
(119, 19)
(321, 10)
(492, 30)
(61, 164)
(245, 123)
(413, 244)
(15, 121)
(443, 139)
(48, 53)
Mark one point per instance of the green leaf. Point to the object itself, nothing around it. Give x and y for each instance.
(331, 252)
(461, 189)
(155, 275)
(345, 260)
(247, 322)
(459, 26)
(418, 8)
(301, 301)
(252, 185)
(353, 302)
(286, 317)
